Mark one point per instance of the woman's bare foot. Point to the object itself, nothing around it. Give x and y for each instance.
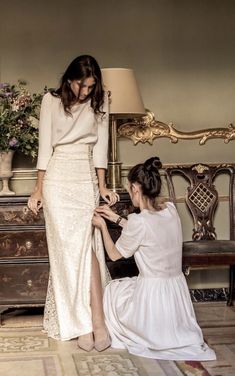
(86, 342)
(102, 339)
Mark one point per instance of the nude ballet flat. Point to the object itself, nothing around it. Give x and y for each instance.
(86, 343)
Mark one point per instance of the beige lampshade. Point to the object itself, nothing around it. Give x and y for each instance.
(125, 97)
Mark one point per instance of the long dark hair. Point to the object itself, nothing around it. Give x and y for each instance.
(80, 68)
(148, 177)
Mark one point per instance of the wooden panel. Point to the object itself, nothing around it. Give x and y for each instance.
(209, 260)
(19, 215)
(23, 243)
(23, 283)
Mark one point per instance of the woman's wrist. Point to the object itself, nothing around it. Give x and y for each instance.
(118, 220)
(37, 189)
(103, 226)
(102, 188)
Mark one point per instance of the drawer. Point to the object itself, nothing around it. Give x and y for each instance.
(18, 214)
(23, 283)
(14, 211)
(23, 244)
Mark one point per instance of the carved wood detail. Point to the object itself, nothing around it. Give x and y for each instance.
(147, 129)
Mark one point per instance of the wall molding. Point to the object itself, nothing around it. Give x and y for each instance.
(24, 174)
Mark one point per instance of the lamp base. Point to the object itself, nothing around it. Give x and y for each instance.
(114, 177)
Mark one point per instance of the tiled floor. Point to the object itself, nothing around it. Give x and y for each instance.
(26, 351)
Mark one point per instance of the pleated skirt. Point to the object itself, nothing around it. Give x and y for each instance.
(70, 195)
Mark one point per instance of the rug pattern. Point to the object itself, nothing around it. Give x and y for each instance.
(19, 343)
(29, 352)
(32, 353)
(31, 366)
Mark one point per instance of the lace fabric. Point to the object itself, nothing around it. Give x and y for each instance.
(70, 194)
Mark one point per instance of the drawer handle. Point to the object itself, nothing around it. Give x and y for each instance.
(30, 282)
(28, 244)
(25, 209)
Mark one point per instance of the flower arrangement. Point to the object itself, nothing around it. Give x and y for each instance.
(19, 115)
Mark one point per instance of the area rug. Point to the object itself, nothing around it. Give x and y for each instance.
(29, 352)
(122, 363)
(26, 351)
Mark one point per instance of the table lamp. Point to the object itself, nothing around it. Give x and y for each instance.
(125, 103)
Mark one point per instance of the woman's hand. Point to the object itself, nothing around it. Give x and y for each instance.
(35, 202)
(109, 196)
(98, 221)
(106, 212)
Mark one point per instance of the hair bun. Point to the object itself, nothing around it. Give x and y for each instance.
(147, 175)
(152, 164)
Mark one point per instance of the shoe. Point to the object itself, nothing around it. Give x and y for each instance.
(103, 343)
(86, 342)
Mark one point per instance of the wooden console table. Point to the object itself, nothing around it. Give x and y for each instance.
(24, 264)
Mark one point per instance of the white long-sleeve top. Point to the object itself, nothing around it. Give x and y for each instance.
(82, 126)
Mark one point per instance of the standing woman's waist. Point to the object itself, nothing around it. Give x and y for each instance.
(74, 151)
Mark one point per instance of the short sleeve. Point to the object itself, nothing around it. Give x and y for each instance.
(132, 236)
(45, 133)
(100, 150)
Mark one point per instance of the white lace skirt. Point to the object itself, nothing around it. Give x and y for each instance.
(70, 194)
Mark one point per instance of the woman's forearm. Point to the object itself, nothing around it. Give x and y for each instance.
(107, 195)
(110, 248)
(101, 177)
(35, 199)
(39, 182)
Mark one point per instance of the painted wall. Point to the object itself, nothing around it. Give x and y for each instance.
(182, 52)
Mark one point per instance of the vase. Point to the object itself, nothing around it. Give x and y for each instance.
(6, 172)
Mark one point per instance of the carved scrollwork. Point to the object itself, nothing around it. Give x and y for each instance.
(147, 128)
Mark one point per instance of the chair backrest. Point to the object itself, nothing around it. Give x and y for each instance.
(202, 196)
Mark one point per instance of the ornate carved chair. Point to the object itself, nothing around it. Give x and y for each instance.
(202, 200)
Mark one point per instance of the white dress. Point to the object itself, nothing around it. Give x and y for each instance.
(152, 315)
(70, 148)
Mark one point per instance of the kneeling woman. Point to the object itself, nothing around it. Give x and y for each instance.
(150, 315)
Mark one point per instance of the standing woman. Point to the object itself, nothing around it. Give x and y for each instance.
(73, 143)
